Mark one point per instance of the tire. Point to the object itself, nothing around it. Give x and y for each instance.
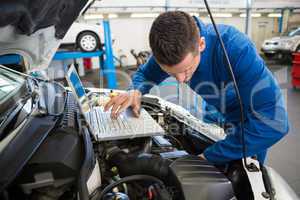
(285, 58)
(269, 55)
(88, 42)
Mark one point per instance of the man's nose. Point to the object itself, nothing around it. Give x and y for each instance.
(180, 77)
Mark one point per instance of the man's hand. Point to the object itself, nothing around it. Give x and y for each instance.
(202, 157)
(122, 101)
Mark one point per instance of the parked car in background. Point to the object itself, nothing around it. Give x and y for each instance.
(86, 37)
(282, 47)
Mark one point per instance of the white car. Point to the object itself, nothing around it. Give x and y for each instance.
(282, 46)
(86, 37)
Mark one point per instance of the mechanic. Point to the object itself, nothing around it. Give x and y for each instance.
(187, 49)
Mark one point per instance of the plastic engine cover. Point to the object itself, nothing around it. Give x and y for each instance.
(199, 179)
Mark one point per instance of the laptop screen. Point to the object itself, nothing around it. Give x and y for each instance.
(77, 85)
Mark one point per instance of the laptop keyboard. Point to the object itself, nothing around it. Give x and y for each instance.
(124, 127)
(102, 122)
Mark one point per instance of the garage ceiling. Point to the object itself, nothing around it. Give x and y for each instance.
(121, 6)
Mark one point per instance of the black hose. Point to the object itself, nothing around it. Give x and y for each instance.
(267, 182)
(86, 165)
(229, 68)
(148, 164)
(130, 179)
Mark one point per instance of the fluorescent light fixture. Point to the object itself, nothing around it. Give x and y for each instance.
(274, 15)
(221, 14)
(93, 16)
(252, 15)
(144, 15)
(194, 14)
(99, 16)
(112, 16)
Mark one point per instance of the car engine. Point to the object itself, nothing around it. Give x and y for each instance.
(70, 164)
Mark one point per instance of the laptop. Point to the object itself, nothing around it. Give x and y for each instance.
(126, 126)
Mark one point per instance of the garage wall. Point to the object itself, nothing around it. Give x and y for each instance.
(132, 33)
(263, 28)
(294, 20)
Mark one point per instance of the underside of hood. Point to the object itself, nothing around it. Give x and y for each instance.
(34, 28)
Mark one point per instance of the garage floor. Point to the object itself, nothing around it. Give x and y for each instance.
(284, 157)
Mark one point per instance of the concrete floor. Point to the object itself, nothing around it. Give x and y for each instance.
(284, 156)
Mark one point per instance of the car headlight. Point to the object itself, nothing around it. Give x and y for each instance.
(287, 44)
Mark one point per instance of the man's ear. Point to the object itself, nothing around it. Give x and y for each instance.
(202, 45)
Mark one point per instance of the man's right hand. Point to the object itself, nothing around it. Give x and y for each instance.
(122, 101)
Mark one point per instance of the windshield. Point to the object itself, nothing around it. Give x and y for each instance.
(295, 32)
(10, 83)
(292, 32)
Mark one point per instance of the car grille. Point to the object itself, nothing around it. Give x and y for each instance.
(271, 43)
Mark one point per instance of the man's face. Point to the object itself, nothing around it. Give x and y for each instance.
(184, 70)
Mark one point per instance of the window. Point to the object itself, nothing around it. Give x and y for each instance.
(9, 84)
(295, 32)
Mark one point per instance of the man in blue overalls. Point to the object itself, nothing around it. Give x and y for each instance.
(187, 49)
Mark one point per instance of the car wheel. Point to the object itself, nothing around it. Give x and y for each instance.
(269, 55)
(88, 41)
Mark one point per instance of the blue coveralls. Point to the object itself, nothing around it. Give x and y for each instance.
(266, 120)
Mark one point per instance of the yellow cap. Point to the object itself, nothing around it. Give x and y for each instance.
(113, 94)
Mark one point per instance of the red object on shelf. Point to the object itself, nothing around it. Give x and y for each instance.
(296, 82)
(296, 70)
(87, 63)
(296, 57)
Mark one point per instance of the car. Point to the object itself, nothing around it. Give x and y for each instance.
(283, 46)
(86, 37)
(47, 150)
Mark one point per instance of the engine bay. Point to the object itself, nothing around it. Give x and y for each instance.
(70, 164)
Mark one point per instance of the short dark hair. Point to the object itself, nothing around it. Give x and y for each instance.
(172, 36)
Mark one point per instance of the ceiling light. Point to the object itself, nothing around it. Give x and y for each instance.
(144, 15)
(93, 16)
(274, 15)
(194, 14)
(252, 15)
(112, 16)
(222, 15)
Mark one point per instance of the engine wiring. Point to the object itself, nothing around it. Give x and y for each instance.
(127, 179)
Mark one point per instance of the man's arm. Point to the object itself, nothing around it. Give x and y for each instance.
(147, 76)
(259, 135)
(143, 80)
(266, 120)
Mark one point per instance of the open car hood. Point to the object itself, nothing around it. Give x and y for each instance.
(34, 28)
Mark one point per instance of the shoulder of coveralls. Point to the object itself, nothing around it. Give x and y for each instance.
(236, 43)
(227, 32)
(231, 36)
